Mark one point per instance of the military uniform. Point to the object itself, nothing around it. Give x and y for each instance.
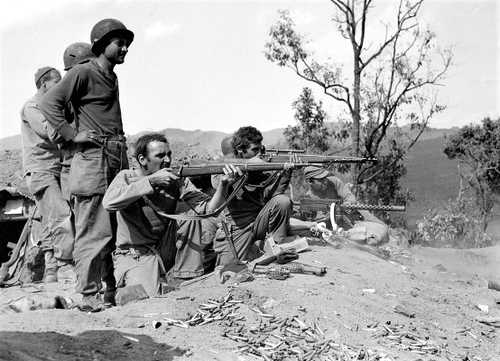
(147, 243)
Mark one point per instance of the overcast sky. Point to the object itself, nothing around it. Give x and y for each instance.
(200, 64)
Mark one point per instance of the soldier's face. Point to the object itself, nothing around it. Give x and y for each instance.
(253, 150)
(55, 78)
(116, 50)
(159, 156)
(317, 185)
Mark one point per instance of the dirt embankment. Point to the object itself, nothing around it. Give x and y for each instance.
(354, 304)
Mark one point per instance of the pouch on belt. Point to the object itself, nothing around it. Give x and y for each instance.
(87, 175)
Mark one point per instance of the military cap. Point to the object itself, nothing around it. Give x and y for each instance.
(311, 172)
(42, 71)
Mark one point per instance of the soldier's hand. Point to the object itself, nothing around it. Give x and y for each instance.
(163, 178)
(84, 136)
(231, 174)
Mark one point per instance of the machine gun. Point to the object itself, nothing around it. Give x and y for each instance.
(342, 210)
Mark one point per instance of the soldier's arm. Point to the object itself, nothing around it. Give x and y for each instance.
(56, 100)
(124, 190)
(35, 119)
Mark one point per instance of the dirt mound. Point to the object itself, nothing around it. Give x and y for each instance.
(408, 310)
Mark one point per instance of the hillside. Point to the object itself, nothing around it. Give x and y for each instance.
(431, 176)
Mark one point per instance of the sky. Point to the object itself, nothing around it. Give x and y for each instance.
(201, 64)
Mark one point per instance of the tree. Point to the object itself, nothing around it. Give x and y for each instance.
(391, 80)
(477, 148)
(310, 134)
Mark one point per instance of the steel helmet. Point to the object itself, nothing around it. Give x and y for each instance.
(77, 53)
(106, 29)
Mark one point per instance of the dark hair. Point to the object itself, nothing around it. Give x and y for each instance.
(141, 145)
(243, 137)
(46, 77)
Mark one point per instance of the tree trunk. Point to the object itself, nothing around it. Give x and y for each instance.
(356, 120)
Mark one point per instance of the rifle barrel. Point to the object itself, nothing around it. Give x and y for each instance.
(208, 169)
(311, 158)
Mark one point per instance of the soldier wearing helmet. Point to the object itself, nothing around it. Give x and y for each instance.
(77, 53)
(92, 89)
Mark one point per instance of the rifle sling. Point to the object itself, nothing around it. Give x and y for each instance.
(197, 217)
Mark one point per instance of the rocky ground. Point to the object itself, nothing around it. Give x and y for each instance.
(422, 304)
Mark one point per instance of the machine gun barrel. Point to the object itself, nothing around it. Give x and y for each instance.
(309, 204)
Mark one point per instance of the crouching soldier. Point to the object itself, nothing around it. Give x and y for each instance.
(362, 225)
(260, 207)
(137, 195)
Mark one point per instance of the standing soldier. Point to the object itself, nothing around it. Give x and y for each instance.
(92, 89)
(42, 169)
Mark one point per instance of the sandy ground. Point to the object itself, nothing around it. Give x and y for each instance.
(356, 297)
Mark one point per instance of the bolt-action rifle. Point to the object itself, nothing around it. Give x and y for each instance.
(276, 155)
(218, 168)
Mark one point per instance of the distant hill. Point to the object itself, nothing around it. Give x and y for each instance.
(431, 176)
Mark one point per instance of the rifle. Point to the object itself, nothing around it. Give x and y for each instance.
(277, 151)
(218, 168)
(281, 157)
(16, 257)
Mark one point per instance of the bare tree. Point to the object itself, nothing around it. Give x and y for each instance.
(391, 80)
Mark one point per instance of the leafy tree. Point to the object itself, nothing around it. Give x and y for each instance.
(393, 79)
(310, 134)
(477, 148)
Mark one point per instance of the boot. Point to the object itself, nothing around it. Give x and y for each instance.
(50, 273)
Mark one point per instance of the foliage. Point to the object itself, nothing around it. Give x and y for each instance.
(391, 81)
(310, 134)
(458, 225)
(477, 148)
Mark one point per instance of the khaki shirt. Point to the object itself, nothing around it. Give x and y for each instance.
(40, 152)
(138, 225)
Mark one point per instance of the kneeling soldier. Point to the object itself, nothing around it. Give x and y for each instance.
(137, 195)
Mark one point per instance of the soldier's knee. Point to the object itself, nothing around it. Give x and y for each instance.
(283, 202)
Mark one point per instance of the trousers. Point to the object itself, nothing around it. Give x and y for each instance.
(138, 268)
(95, 229)
(273, 219)
(57, 232)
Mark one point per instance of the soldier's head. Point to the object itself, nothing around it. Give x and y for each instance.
(226, 147)
(111, 38)
(247, 142)
(317, 178)
(77, 53)
(46, 78)
(152, 152)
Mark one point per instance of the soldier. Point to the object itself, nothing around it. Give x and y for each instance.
(42, 169)
(363, 225)
(141, 230)
(261, 207)
(92, 89)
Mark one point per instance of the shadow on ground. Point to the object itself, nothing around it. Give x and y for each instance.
(90, 345)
